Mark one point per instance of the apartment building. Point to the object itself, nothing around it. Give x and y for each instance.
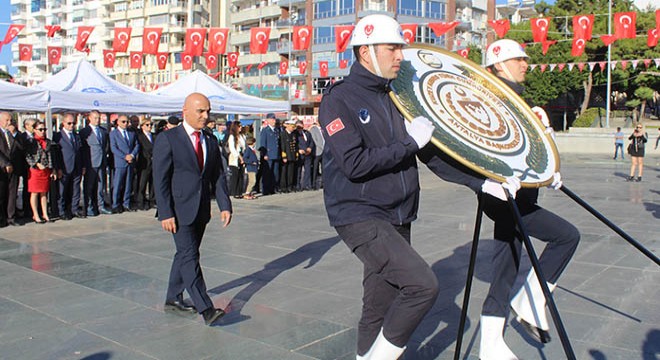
(173, 16)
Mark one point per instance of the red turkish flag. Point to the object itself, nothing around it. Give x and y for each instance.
(151, 40)
(501, 26)
(108, 59)
(302, 66)
(248, 68)
(52, 29)
(540, 28)
(24, 52)
(440, 28)
(232, 71)
(259, 37)
(547, 44)
(12, 32)
(162, 58)
(302, 37)
(608, 39)
(232, 59)
(261, 65)
(83, 36)
(343, 36)
(284, 66)
(624, 25)
(582, 26)
(194, 42)
(323, 68)
(211, 60)
(122, 38)
(578, 46)
(653, 38)
(464, 52)
(54, 55)
(409, 32)
(218, 40)
(186, 61)
(343, 63)
(136, 60)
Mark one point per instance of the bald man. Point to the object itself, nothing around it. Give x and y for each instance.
(186, 165)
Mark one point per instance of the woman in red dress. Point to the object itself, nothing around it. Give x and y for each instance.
(41, 172)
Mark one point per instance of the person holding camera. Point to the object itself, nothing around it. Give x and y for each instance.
(636, 150)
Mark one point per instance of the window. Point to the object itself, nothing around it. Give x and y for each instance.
(410, 7)
(435, 10)
(164, 38)
(324, 35)
(137, 22)
(158, 19)
(120, 6)
(137, 4)
(346, 7)
(324, 9)
(37, 5)
(78, 16)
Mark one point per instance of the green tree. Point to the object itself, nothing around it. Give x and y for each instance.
(643, 94)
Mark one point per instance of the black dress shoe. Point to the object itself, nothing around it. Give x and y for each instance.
(537, 334)
(66, 217)
(117, 210)
(179, 306)
(210, 315)
(81, 215)
(13, 223)
(105, 211)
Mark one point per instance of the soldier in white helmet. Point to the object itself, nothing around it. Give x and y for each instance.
(508, 61)
(371, 188)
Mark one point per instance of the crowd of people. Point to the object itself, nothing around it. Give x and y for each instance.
(105, 167)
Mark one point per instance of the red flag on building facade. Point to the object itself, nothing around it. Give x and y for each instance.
(540, 28)
(501, 26)
(624, 25)
(122, 38)
(343, 63)
(186, 61)
(248, 67)
(302, 66)
(259, 37)
(343, 36)
(284, 66)
(83, 36)
(409, 32)
(52, 29)
(232, 71)
(211, 60)
(652, 40)
(24, 52)
(54, 54)
(261, 65)
(218, 40)
(108, 59)
(161, 59)
(582, 26)
(232, 59)
(12, 32)
(136, 60)
(302, 37)
(578, 46)
(194, 42)
(323, 68)
(440, 28)
(151, 40)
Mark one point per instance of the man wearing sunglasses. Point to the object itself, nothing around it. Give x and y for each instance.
(125, 148)
(95, 149)
(71, 165)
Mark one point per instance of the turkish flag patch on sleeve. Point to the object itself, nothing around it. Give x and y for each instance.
(334, 127)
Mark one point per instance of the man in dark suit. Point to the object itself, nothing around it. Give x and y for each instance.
(125, 148)
(186, 166)
(145, 138)
(95, 148)
(305, 155)
(269, 146)
(71, 164)
(7, 144)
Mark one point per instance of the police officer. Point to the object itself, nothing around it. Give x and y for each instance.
(371, 188)
(508, 61)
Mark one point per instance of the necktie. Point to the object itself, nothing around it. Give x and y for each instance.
(98, 133)
(73, 140)
(198, 150)
(126, 137)
(7, 139)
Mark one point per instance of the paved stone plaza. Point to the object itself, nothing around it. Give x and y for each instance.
(94, 288)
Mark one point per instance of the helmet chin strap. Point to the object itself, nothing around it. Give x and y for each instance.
(505, 70)
(374, 61)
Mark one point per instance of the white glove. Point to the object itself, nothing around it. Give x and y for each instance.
(556, 181)
(543, 116)
(421, 130)
(496, 189)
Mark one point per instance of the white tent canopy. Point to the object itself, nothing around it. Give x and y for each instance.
(81, 87)
(20, 98)
(223, 99)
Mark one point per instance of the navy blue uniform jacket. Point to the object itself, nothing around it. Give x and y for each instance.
(182, 190)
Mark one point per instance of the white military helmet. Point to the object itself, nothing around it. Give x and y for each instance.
(503, 50)
(377, 29)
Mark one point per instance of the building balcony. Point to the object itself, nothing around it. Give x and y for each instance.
(251, 15)
(289, 3)
(180, 7)
(118, 15)
(244, 37)
(247, 59)
(286, 47)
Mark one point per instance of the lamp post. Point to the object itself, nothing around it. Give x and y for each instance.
(609, 68)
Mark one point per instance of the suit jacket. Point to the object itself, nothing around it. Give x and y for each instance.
(7, 150)
(146, 150)
(69, 156)
(183, 190)
(303, 143)
(269, 143)
(289, 146)
(120, 148)
(95, 151)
